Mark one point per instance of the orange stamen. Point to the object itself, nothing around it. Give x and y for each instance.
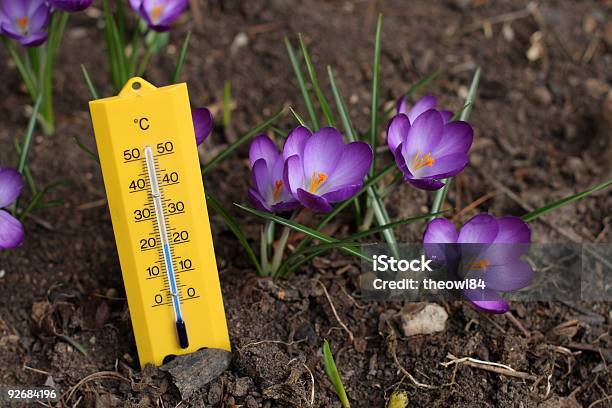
(156, 12)
(278, 189)
(482, 264)
(23, 22)
(316, 180)
(423, 161)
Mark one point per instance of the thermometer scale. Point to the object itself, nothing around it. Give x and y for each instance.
(151, 171)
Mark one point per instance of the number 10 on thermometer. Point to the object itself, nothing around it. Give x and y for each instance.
(151, 171)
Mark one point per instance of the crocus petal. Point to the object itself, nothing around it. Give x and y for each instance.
(401, 163)
(481, 229)
(71, 5)
(286, 206)
(322, 152)
(11, 231)
(513, 230)
(296, 141)
(511, 243)
(313, 202)
(8, 30)
(457, 138)
(11, 184)
(424, 104)
(258, 201)
(397, 131)
(15, 9)
(343, 193)
(135, 4)
(439, 240)
(34, 40)
(424, 135)
(293, 174)
(353, 166)
(262, 147)
(39, 19)
(445, 166)
(509, 277)
(202, 124)
(400, 106)
(487, 301)
(261, 178)
(425, 184)
(440, 231)
(170, 10)
(446, 115)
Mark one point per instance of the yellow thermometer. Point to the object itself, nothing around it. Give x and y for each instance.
(148, 153)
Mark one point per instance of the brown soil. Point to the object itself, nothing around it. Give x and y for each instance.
(542, 132)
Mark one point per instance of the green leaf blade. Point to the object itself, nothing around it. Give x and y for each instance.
(230, 221)
(315, 84)
(302, 85)
(564, 201)
(249, 135)
(332, 373)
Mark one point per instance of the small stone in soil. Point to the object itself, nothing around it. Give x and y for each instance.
(426, 319)
(192, 371)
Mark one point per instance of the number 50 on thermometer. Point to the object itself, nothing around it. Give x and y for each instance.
(151, 171)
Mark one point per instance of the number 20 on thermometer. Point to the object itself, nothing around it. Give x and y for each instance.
(151, 171)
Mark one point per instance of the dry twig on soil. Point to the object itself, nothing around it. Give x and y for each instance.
(497, 368)
(333, 308)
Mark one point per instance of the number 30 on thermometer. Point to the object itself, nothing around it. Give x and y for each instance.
(151, 171)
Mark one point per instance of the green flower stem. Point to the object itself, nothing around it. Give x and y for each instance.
(465, 114)
(279, 251)
(25, 74)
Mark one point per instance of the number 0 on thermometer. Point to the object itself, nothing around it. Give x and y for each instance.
(151, 171)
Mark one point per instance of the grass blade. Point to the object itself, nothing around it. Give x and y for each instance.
(233, 225)
(250, 134)
(26, 171)
(89, 82)
(85, 149)
(302, 84)
(27, 139)
(382, 218)
(315, 83)
(297, 117)
(26, 76)
(564, 201)
(353, 239)
(181, 59)
(300, 228)
(35, 202)
(344, 115)
(332, 373)
(227, 104)
(375, 88)
(465, 114)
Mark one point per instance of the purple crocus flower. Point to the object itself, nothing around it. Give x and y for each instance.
(323, 170)
(424, 104)
(426, 147)
(70, 5)
(202, 123)
(24, 21)
(11, 230)
(159, 14)
(270, 192)
(489, 249)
